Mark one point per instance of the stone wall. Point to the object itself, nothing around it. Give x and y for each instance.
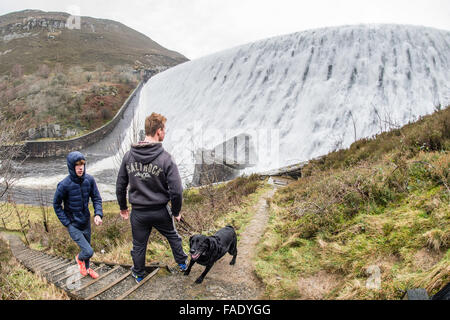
(52, 148)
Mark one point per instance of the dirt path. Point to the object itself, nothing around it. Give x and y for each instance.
(223, 281)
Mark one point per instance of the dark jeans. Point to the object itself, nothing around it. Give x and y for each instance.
(142, 222)
(83, 239)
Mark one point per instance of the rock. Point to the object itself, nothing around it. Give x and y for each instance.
(43, 131)
(53, 130)
(207, 173)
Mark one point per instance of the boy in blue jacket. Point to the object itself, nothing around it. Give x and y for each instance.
(74, 192)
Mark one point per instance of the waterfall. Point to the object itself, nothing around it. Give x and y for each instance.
(298, 96)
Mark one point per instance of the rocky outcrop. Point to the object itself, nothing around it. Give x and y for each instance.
(45, 131)
(23, 29)
(51, 130)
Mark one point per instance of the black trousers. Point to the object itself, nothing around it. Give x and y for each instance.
(142, 222)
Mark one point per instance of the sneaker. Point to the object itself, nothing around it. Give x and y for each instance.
(81, 266)
(136, 277)
(182, 266)
(92, 273)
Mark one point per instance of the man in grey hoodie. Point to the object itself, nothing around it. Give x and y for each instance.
(154, 181)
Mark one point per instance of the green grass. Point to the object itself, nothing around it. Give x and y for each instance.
(240, 216)
(389, 210)
(19, 284)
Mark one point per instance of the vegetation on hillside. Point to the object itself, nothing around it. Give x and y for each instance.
(35, 37)
(76, 99)
(367, 222)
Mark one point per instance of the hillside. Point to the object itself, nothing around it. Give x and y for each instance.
(65, 82)
(367, 222)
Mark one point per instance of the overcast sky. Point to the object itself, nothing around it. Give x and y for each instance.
(196, 28)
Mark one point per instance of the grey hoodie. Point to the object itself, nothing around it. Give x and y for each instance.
(153, 178)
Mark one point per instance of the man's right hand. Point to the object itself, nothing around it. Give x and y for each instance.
(125, 214)
(178, 218)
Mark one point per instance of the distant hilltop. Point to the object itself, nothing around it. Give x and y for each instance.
(66, 76)
(34, 37)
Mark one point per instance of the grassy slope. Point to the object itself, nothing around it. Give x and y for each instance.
(45, 80)
(383, 204)
(19, 284)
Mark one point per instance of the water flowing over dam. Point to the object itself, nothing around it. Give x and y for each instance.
(298, 96)
(310, 91)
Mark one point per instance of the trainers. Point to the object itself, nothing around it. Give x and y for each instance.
(136, 277)
(182, 266)
(81, 266)
(92, 273)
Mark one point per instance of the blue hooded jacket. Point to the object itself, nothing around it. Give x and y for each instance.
(74, 192)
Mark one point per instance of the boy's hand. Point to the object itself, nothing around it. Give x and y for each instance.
(98, 220)
(125, 214)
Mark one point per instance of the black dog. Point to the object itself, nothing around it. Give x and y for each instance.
(207, 250)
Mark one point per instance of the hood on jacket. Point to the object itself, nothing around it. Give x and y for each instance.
(146, 152)
(73, 157)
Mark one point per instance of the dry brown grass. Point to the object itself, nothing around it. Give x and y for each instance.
(19, 284)
(382, 203)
